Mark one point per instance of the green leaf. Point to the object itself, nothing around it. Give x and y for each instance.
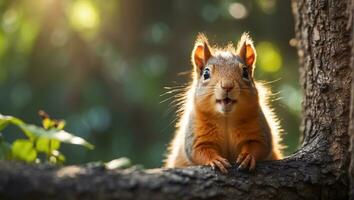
(5, 149)
(23, 150)
(6, 120)
(61, 158)
(10, 119)
(60, 135)
(57, 158)
(47, 141)
(60, 124)
(3, 124)
(47, 145)
(47, 123)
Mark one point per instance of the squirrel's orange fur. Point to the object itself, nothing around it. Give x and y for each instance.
(225, 117)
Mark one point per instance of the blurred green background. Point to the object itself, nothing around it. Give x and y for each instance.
(102, 66)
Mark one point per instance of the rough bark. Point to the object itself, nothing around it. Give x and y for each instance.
(318, 170)
(295, 178)
(323, 35)
(351, 119)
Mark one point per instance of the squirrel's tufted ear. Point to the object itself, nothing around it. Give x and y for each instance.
(247, 52)
(201, 53)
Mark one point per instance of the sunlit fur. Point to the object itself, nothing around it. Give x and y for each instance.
(200, 115)
(265, 96)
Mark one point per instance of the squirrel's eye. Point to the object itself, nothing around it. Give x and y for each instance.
(245, 74)
(206, 74)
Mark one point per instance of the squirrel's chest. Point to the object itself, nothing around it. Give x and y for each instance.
(229, 138)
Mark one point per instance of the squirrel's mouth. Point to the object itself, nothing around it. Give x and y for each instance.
(226, 102)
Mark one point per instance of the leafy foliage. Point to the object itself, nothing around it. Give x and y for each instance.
(44, 140)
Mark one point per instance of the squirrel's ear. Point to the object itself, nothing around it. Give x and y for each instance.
(201, 53)
(247, 52)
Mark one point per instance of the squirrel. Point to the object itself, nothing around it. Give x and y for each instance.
(225, 116)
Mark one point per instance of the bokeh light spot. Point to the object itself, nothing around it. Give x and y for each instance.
(269, 58)
(238, 10)
(10, 21)
(267, 6)
(210, 13)
(155, 65)
(158, 33)
(59, 37)
(291, 97)
(27, 35)
(84, 15)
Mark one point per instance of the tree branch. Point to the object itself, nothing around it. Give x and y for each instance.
(300, 177)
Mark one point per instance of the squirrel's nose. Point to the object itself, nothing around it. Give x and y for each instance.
(227, 85)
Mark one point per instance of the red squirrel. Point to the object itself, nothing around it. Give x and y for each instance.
(225, 116)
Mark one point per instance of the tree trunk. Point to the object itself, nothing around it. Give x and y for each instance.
(351, 119)
(318, 170)
(323, 35)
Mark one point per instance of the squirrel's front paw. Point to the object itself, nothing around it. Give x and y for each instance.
(246, 160)
(219, 162)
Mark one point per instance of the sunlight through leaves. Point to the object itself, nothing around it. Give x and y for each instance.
(84, 16)
(269, 58)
